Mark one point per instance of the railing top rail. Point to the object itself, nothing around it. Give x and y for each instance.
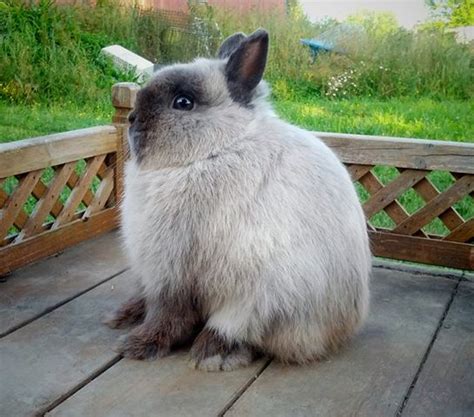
(40, 152)
(402, 152)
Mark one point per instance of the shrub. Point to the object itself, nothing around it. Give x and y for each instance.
(52, 53)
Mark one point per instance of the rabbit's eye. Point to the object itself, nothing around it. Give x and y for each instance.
(183, 102)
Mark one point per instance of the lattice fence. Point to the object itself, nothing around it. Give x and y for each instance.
(56, 191)
(61, 189)
(417, 196)
(49, 198)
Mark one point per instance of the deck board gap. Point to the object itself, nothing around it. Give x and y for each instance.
(244, 388)
(61, 303)
(80, 385)
(428, 350)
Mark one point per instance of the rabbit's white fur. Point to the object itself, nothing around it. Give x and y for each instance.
(267, 231)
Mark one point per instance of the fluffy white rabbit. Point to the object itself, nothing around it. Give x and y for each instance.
(243, 229)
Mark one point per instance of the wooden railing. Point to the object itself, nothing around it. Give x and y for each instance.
(413, 165)
(58, 190)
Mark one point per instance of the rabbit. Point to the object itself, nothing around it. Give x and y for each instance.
(245, 231)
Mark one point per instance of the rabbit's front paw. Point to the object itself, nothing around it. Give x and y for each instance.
(130, 313)
(141, 344)
(211, 353)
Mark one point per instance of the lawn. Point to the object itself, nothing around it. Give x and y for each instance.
(416, 118)
(424, 118)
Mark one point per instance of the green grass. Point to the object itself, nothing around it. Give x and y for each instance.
(423, 118)
(413, 118)
(18, 121)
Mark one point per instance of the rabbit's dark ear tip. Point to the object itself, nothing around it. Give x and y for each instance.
(260, 34)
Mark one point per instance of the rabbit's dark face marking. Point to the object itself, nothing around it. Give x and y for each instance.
(223, 99)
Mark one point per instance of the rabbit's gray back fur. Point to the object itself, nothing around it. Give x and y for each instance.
(253, 217)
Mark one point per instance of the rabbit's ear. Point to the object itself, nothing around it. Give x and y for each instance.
(230, 45)
(244, 69)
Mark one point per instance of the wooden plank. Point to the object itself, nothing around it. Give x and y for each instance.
(394, 210)
(77, 194)
(36, 289)
(41, 152)
(21, 217)
(51, 242)
(39, 191)
(446, 384)
(401, 152)
(46, 202)
(428, 191)
(72, 182)
(358, 171)
(371, 376)
(102, 194)
(44, 360)
(428, 251)
(391, 191)
(166, 388)
(463, 233)
(16, 201)
(436, 206)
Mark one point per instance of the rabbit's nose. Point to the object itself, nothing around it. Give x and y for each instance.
(132, 117)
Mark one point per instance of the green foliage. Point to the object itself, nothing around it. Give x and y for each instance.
(453, 13)
(376, 24)
(380, 59)
(51, 53)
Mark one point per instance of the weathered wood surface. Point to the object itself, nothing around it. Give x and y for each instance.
(49, 357)
(446, 384)
(55, 362)
(436, 206)
(370, 377)
(14, 205)
(41, 152)
(51, 242)
(429, 251)
(167, 387)
(37, 288)
(401, 152)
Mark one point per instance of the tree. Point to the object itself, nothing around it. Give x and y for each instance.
(453, 13)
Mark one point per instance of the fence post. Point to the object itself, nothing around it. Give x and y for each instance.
(123, 99)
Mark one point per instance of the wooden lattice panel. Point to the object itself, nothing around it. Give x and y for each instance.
(56, 191)
(435, 204)
(48, 199)
(425, 211)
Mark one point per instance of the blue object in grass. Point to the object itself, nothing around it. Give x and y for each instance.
(318, 46)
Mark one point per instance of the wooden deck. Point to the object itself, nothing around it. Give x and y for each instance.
(414, 357)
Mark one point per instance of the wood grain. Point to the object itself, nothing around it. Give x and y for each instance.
(426, 189)
(77, 194)
(41, 152)
(358, 171)
(422, 250)
(446, 384)
(371, 376)
(436, 206)
(46, 202)
(14, 205)
(463, 233)
(51, 242)
(401, 152)
(36, 289)
(52, 355)
(386, 195)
